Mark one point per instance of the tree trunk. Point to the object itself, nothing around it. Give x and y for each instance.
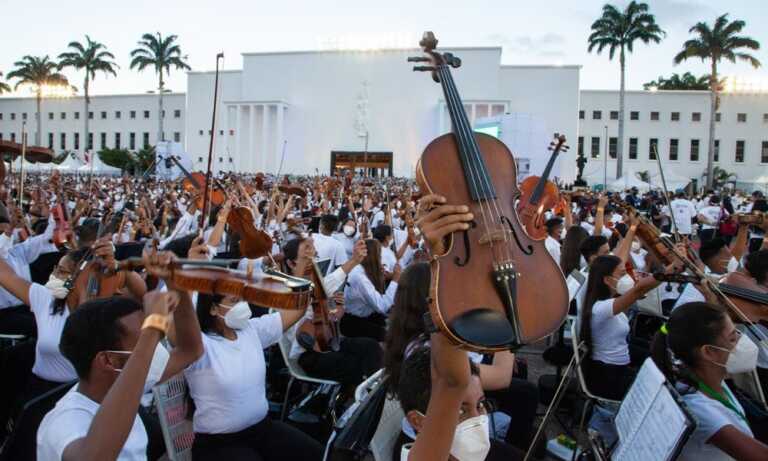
(38, 116)
(620, 143)
(160, 134)
(87, 148)
(712, 110)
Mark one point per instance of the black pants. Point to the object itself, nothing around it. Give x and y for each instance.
(17, 320)
(606, 380)
(356, 359)
(373, 326)
(705, 235)
(267, 440)
(520, 401)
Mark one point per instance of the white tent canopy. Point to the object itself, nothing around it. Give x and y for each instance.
(628, 181)
(674, 181)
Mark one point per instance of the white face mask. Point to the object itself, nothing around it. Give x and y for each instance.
(742, 358)
(471, 441)
(636, 246)
(237, 317)
(349, 231)
(624, 284)
(56, 287)
(563, 233)
(733, 265)
(399, 204)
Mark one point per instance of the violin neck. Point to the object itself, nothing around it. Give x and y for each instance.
(745, 293)
(536, 196)
(475, 171)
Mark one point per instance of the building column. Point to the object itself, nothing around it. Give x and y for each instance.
(250, 165)
(264, 136)
(236, 152)
(280, 140)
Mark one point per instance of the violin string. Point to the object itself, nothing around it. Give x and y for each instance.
(452, 100)
(491, 204)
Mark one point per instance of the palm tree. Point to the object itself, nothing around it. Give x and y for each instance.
(618, 30)
(4, 88)
(687, 81)
(162, 54)
(38, 72)
(91, 57)
(720, 177)
(713, 44)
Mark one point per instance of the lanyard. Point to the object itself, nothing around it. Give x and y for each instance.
(725, 399)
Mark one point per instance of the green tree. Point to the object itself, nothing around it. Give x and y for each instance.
(117, 158)
(91, 57)
(644, 176)
(161, 54)
(715, 44)
(720, 177)
(685, 82)
(39, 73)
(144, 158)
(4, 87)
(618, 31)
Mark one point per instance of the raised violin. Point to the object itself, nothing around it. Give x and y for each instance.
(323, 327)
(495, 287)
(539, 194)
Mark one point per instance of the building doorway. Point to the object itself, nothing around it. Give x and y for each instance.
(376, 163)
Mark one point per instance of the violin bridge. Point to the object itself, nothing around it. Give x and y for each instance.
(505, 278)
(499, 235)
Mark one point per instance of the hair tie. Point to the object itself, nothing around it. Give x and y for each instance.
(664, 329)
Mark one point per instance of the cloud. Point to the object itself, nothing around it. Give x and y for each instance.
(676, 12)
(546, 45)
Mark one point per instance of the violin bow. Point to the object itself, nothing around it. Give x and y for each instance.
(206, 197)
(666, 194)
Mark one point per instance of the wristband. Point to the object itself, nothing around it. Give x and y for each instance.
(156, 322)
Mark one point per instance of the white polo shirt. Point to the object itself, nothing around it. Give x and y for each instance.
(70, 420)
(609, 334)
(227, 382)
(49, 363)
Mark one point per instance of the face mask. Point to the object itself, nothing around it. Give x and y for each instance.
(624, 284)
(399, 204)
(636, 246)
(563, 234)
(733, 265)
(471, 441)
(56, 287)
(590, 219)
(349, 231)
(237, 317)
(742, 358)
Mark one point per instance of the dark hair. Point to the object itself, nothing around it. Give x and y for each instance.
(76, 256)
(689, 327)
(180, 246)
(204, 303)
(552, 223)
(381, 232)
(597, 290)
(711, 248)
(760, 205)
(94, 327)
(757, 265)
(415, 385)
(328, 223)
(591, 245)
(372, 264)
(88, 231)
(570, 257)
(291, 249)
(406, 318)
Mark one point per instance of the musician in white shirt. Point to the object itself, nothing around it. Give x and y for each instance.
(709, 218)
(555, 229)
(328, 247)
(684, 212)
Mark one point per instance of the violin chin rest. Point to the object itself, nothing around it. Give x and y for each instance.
(484, 327)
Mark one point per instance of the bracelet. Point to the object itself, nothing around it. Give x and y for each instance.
(156, 322)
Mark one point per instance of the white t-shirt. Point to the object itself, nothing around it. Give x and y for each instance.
(684, 214)
(227, 382)
(609, 334)
(70, 420)
(553, 247)
(347, 242)
(362, 299)
(711, 416)
(328, 247)
(713, 215)
(49, 363)
(388, 258)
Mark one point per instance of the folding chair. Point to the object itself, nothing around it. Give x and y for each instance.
(387, 432)
(172, 407)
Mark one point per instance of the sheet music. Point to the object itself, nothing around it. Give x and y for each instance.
(650, 421)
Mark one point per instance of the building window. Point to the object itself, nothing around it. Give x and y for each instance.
(103, 115)
(634, 115)
(50, 115)
(717, 151)
(739, 158)
(90, 115)
(200, 132)
(765, 118)
(13, 137)
(613, 145)
(764, 152)
(132, 114)
(1, 136)
(77, 141)
(696, 117)
(741, 118)
(595, 147)
(581, 146)
(1, 115)
(50, 140)
(199, 159)
(117, 140)
(718, 117)
(581, 115)
(675, 117)
(694, 150)
(63, 115)
(24, 116)
(77, 115)
(63, 141)
(614, 115)
(633, 148)
(13, 116)
(117, 114)
(103, 140)
(162, 113)
(597, 115)
(177, 113)
(90, 141)
(146, 114)
(132, 141)
(145, 140)
(176, 136)
(221, 132)
(653, 147)
(673, 143)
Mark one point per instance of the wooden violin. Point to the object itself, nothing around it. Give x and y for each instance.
(254, 243)
(294, 189)
(322, 327)
(539, 195)
(494, 287)
(755, 218)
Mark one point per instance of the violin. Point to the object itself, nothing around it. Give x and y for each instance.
(59, 213)
(748, 295)
(254, 243)
(322, 327)
(539, 194)
(294, 189)
(500, 302)
(755, 218)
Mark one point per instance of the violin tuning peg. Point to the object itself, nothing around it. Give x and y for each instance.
(423, 69)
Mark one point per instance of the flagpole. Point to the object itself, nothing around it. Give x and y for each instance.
(21, 167)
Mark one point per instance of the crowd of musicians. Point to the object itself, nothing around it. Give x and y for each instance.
(369, 243)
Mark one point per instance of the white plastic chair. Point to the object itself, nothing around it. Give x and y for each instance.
(172, 408)
(388, 430)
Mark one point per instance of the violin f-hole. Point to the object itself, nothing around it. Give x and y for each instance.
(467, 250)
(529, 249)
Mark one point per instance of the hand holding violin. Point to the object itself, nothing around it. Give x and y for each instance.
(437, 219)
(198, 250)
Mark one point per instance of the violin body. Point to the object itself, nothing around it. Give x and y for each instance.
(321, 326)
(294, 189)
(468, 302)
(254, 243)
(749, 296)
(533, 215)
(91, 279)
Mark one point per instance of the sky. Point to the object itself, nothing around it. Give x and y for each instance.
(530, 32)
